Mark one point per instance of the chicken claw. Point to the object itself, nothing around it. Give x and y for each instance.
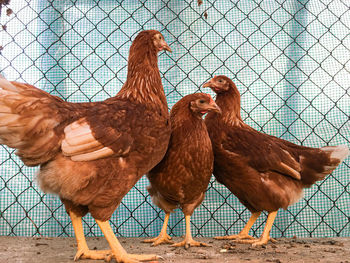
(265, 237)
(187, 243)
(244, 234)
(117, 251)
(161, 239)
(85, 253)
(257, 242)
(133, 258)
(236, 237)
(83, 250)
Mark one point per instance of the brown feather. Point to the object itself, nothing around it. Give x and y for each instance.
(182, 177)
(263, 171)
(91, 154)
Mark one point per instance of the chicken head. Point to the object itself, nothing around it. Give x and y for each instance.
(159, 42)
(219, 84)
(203, 104)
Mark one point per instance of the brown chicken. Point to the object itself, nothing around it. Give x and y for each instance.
(262, 171)
(183, 175)
(92, 154)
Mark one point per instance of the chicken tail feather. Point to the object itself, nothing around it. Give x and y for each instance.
(321, 162)
(7, 85)
(337, 153)
(28, 118)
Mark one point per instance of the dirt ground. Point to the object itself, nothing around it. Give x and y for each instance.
(59, 250)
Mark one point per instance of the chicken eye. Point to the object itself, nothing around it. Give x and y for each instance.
(220, 80)
(160, 37)
(201, 101)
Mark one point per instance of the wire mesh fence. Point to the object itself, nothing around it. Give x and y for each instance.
(289, 59)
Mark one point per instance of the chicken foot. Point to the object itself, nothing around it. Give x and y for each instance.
(83, 249)
(117, 251)
(265, 237)
(163, 237)
(244, 234)
(188, 241)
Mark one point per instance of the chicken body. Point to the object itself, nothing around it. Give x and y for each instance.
(98, 186)
(182, 177)
(264, 172)
(92, 154)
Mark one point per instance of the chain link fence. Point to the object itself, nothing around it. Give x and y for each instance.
(290, 60)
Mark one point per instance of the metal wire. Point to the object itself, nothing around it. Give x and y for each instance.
(289, 59)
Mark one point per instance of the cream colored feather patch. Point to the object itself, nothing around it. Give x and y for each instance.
(80, 144)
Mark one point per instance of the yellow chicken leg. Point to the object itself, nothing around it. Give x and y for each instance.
(188, 241)
(265, 237)
(117, 251)
(244, 234)
(83, 249)
(163, 237)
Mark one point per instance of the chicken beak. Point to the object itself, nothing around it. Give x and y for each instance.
(214, 107)
(207, 84)
(165, 46)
